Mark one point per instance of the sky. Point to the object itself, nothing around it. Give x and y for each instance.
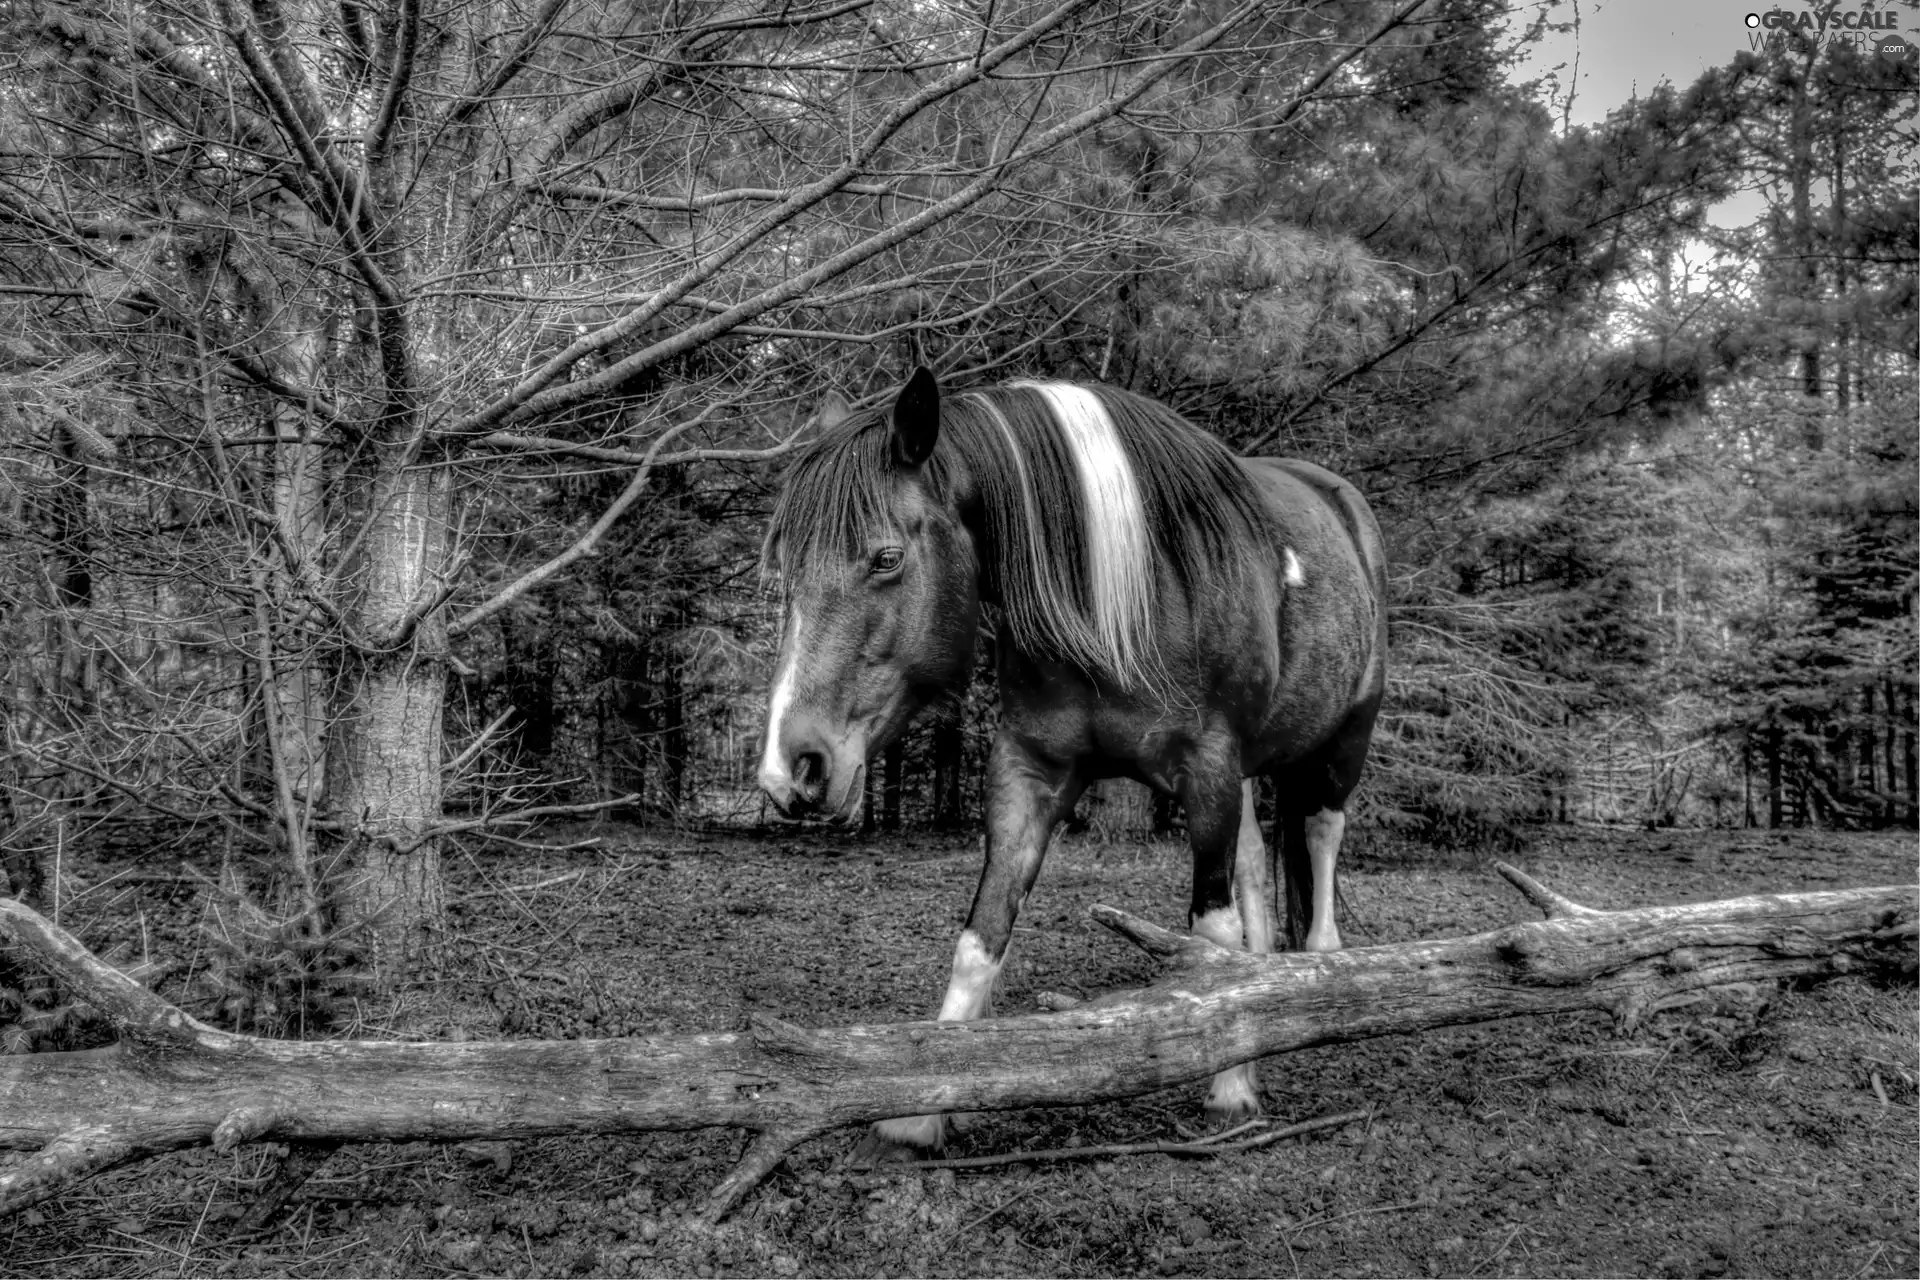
(1626, 47)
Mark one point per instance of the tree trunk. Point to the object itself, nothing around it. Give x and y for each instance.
(173, 1082)
(1776, 793)
(531, 670)
(1912, 761)
(1746, 778)
(1891, 808)
(296, 680)
(385, 787)
(1800, 179)
(894, 759)
(1866, 777)
(1165, 810)
(673, 732)
(68, 685)
(947, 743)
(1840, 237)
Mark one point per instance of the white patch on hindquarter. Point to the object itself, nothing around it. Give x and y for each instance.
(773, 760)
(1119, 549)
(1324, 830)
(970, 989)
(1293, 575)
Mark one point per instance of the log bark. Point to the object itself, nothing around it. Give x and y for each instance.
(172, 1081)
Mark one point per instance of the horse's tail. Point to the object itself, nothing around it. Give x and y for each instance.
(1295, 870)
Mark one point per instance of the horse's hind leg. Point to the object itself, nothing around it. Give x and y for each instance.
(1324, 830)
(1312, 799)
(1229, 905)
(1307, 847)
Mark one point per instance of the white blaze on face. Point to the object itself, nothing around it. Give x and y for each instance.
(774, 774)
(1294, 576)
(970, 989)
(1119, 550)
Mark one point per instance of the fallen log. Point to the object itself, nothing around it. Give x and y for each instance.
(171, 1081)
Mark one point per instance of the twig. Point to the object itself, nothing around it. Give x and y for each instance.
(1004, 1205)
(303, 1160)
(453, 767)
(766, 1151)
(1212, 1146)
(494, 837)
(1879, 1090)
(525, 888)
(516, 817)
(1496, 1255)
(1298, 1227)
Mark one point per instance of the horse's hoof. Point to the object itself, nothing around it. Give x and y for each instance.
(1226, 1115)
(1234, 1097)
(901, 1141)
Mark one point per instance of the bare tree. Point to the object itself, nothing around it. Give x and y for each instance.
(360, 278)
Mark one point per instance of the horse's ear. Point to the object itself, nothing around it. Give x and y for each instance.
(832, 412)
(916, 418)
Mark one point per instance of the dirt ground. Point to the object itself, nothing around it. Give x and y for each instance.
(1738, 1137)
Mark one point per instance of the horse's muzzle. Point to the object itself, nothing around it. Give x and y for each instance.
(813, 787)
(798, 793)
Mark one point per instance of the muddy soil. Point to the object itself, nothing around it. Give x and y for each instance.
(1759, 1133)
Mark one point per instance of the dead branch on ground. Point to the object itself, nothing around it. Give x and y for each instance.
(172, 1081)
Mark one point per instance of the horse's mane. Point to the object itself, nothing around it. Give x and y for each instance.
(1049, 462)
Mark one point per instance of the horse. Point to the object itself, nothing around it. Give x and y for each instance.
(1162, 610)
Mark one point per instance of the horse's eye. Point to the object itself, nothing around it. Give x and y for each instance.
(887, 560)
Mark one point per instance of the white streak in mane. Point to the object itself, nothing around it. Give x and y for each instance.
(1120, 569)
(1293, 576)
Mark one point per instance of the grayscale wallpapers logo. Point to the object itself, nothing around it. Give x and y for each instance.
(1866, 29)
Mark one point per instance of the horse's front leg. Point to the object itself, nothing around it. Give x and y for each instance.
(1026, 798)
(1230, 893)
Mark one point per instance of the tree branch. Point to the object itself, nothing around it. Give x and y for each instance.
(588, 543)
(694, 204)
(402, 40)
(536, 395)
(515, 60)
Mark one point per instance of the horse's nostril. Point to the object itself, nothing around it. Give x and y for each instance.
(809, 773)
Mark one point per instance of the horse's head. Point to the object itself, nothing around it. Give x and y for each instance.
(882, 598)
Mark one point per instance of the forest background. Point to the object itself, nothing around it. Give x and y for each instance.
(391, 396)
